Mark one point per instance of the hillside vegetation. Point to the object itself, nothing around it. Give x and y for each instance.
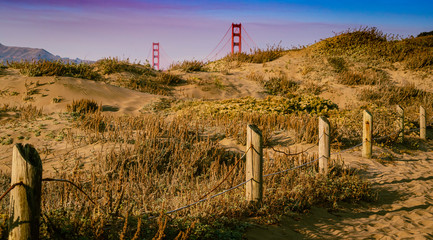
(187, 145)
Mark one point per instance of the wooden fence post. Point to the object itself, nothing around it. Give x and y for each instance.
(367, 132)
(254, 164)
(25, 200)
(422, 119)
(324, 144)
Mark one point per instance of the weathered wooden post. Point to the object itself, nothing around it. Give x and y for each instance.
(324, 144)
(254, 164)
(367, 132)
(25, 200)
(422, 119)
(400, 120)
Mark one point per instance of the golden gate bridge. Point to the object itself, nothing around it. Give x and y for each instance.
(238, 37)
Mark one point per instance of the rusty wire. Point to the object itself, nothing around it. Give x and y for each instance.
(228, 174)
(70, 182)
(10, 189)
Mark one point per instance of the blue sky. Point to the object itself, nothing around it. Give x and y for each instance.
(93, 29)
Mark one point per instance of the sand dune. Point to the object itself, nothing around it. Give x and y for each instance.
(404, 209)
(114, 99)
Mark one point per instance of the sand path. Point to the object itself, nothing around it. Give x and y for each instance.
(404, 209)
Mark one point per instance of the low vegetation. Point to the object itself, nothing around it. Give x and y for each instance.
(149, 164)
(371, 44)
(189, 66)
(366, 76)
(424, 34)
(258, 55)
(21, 113)
(55, 68)
(83, 106)
(2, 69)
(115, 65)
(118, 72)
(270, 105)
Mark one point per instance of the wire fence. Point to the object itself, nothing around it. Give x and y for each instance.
(205, 196)
(279, 172)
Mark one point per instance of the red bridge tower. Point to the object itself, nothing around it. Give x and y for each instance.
(155, 55)
(236, 37)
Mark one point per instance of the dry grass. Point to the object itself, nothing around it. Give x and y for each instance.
(257, 55)
(407, 94)
(147, 84)
(115, 65)
(22, 113)
(361, 76)
(338, 64)
(134, 76)
(280, 85)
(149, 165)
(55, 68)
(83, 106)
(368, 76)
(2, 70)
(189, 66)
(371, 44)
(256, 76)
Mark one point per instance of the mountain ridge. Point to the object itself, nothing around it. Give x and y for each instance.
(14, 53)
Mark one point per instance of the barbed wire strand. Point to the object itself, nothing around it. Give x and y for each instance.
(227, 175)
(70, 182)
(293, 168)
(218, 194)
(202, 200)
(298, 153)
(339, 152)
(10, 189)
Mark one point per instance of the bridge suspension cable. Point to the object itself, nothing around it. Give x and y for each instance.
(222, 39)
(255, 45)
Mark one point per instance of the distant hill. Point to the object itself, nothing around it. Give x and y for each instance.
(423, 34)
(8, 53)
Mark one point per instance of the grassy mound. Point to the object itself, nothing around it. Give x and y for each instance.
(371, 43)
(117, 72)
(189, 66)
(114, 65)
(55, 68)
(257, 55)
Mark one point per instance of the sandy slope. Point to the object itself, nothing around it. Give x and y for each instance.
(404, 209)
(114, 99)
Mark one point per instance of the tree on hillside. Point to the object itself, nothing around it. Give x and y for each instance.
(423, 34)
